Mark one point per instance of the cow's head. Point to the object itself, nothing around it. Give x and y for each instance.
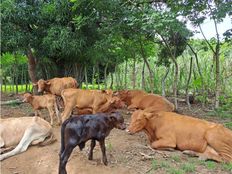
(42, 84)
(107, 91)
(116, 103)
(117, 120)
(27, 97)
(139, 120)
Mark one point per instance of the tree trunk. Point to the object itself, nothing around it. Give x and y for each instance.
(105, 75)
(134, 74)
(12, 80)
(86, 79)
(164, 80)
(125, 75)
(187, 85)
(143, 76)
(112, 81)
(217, 88)
(148, 66)
(5, 83)
(32, 68)
(93, 76)
(98, 77)
(201, 76)
(176, 72)
(175, 82)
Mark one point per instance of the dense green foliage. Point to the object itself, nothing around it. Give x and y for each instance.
(125, 44)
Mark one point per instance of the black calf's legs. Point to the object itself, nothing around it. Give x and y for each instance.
(64, 159)
(103, 149)
(93, 143)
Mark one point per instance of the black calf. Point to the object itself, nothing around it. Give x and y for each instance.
(77, 130)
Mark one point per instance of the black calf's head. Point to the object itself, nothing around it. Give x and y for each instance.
(117, 120)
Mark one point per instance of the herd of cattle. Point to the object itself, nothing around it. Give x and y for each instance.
(97, 110)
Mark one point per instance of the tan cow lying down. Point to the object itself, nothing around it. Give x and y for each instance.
(56, 85)
(89, 101)
(43, 101)
(138, 99)
(168, 130)
(21, 132)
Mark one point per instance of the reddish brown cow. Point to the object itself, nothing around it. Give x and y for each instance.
(88, 101)
(128, 96)
(138, 99)
(168, 130)
(56, 85)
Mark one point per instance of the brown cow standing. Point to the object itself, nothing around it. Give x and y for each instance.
(89, 101)
(168, 130)
(138, 99)
(56, 85)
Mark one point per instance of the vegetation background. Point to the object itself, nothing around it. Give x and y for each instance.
(119, 44)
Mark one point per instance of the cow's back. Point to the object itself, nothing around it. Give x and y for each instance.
(155, 102)
(59, 84)
(187, 132)
(12, 129)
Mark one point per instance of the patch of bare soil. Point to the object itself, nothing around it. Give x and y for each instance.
(127, 154)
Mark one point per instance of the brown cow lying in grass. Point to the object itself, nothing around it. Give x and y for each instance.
(56, 85)
(138, 99)
(168, 130)
(89, 101)
(21, 132)
(40, 102)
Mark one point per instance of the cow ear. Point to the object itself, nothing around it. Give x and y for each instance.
(115, 93)
(35, 84)
(113, 118)
(48, 82)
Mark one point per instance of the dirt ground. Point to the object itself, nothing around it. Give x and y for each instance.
(127, 154)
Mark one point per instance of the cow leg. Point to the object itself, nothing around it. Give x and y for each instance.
(57, 113)
(38, 140)
(93, 143)
(29, 135)
(67, 112)
(103, 149)
(64, 158)
(209, 153)
(164, 144)
(2, 144)
(4, 150)
(51, 114)
(132, 107)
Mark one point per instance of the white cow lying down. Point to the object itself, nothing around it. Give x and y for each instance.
(21, 132)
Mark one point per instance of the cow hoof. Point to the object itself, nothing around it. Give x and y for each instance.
(90, 157)
(105, 162)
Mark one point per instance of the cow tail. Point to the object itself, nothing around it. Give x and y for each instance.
(62, 135)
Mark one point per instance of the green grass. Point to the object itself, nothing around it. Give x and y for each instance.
(227, 167)
(175, 171)
(176, 158)
(21, 88)
(188, 167)
(228, 125)
(211, 165)
(109, 146)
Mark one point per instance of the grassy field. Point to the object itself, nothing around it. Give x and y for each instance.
(12, 89)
